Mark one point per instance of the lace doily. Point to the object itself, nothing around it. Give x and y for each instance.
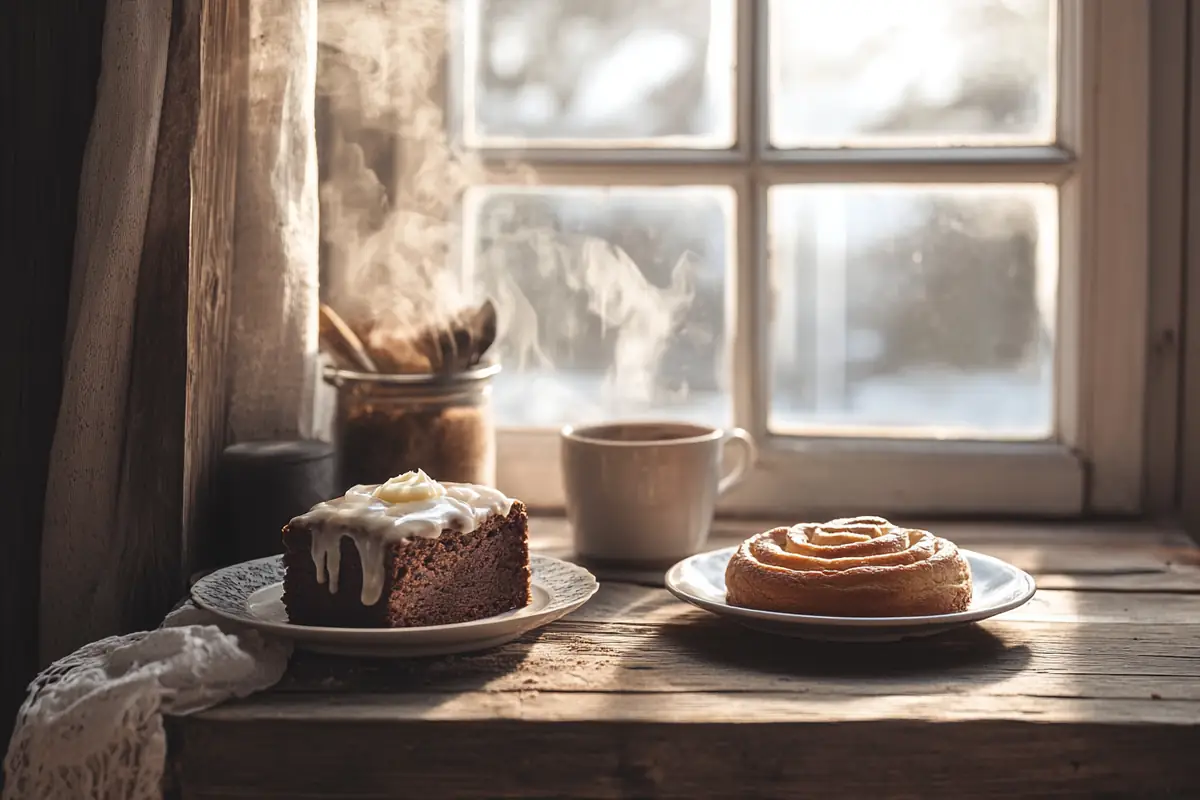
(92, 724)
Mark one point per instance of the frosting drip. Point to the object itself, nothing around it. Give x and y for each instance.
(411, 505)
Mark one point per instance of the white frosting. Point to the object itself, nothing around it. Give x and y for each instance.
(411, 505)
(409, 488)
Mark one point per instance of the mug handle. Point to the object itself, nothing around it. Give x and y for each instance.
(749, 450)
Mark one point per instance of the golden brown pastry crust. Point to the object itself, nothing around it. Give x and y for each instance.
(855, 567)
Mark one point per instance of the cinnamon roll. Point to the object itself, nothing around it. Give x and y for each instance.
(855, 567)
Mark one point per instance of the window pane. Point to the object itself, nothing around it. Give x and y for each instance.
(650, 73)
(914, 310)
(917, 73)
(612, 301)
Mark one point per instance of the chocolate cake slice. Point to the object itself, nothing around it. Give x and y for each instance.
(407, 553)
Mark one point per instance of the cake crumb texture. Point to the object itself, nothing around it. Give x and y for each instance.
(455, 577)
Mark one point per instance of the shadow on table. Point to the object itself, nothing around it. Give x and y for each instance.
(970, 652)
(314, 672)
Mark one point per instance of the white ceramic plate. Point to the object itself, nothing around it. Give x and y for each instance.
(998, 587)
(251, 594)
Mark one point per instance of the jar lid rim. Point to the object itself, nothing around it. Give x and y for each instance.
(478, 373)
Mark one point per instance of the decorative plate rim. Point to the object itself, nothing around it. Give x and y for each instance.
(226, 592)
(674, 584)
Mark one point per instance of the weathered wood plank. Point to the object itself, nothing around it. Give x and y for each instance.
(1169, 37)
(222, 76)
(744, 708)
(997, 659)
(1173, 580)
(694, 746)
(1189, 478)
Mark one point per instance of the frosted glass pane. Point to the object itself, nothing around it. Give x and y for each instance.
(915, 73)
(612, 300)
(914, 310)
(580, 72)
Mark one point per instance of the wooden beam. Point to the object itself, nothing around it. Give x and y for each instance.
(1189, 487)
(52, 61)
(698, 652)
(223, 52)
(1168, 232)
(705, 745)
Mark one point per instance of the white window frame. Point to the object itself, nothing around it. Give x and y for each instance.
(1101, 164)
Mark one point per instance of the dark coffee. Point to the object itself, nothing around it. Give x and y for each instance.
(643, 432)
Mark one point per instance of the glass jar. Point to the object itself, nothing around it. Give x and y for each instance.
(390, 424)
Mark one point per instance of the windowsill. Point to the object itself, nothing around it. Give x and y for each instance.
(904, 478)
(1090, 688)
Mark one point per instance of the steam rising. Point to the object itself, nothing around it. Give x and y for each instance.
(393, 259)
(388, 246)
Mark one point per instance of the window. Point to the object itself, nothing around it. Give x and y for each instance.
(903, 244)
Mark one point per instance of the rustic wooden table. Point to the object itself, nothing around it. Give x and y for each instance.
(1092, 689)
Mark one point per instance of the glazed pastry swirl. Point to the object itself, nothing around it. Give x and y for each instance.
(856, 567)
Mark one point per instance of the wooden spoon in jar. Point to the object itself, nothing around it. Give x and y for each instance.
(342, 342)
(483, 328)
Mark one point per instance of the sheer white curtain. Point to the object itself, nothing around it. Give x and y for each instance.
(273, 336)
(114, 195)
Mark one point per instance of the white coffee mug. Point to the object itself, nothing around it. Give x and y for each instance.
(645, 492)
